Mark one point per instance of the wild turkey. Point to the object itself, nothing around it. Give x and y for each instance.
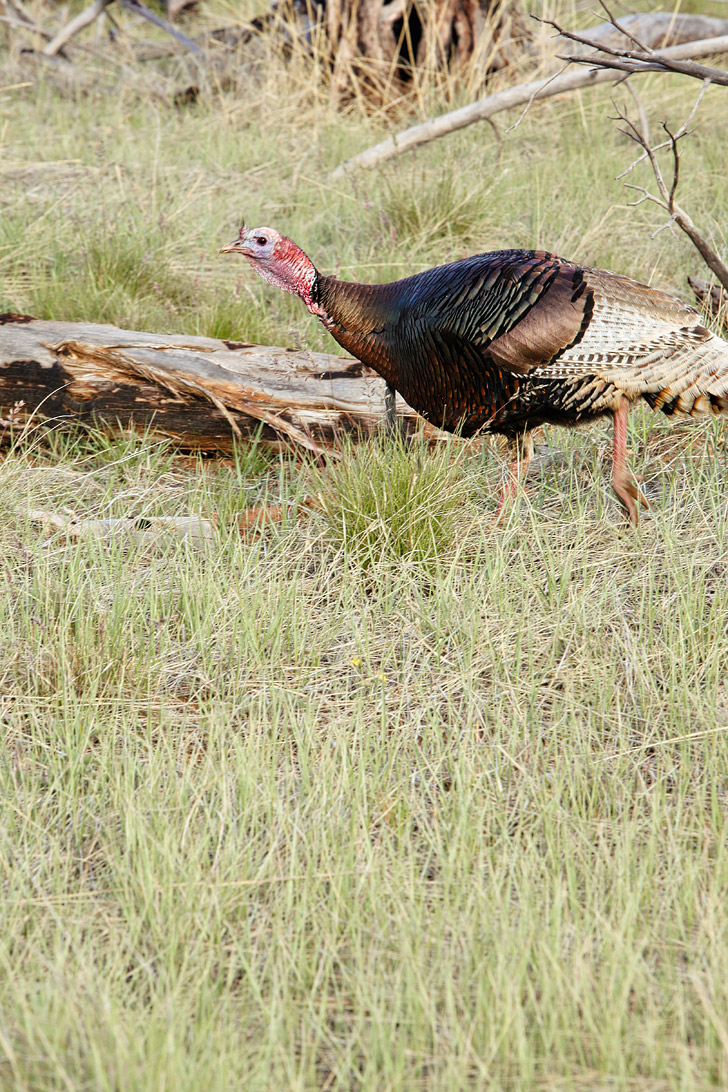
(505, 341)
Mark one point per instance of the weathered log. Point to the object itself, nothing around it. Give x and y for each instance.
(201, 392)
(653, 29)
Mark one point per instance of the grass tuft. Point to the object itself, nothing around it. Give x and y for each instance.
(425, 209)
(395, 500)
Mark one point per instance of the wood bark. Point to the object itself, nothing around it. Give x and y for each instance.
(200, 392)
(377, 46)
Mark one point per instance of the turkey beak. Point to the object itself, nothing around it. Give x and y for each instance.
(237, 246)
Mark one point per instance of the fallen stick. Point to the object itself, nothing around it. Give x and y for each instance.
(521, 95)
(88, 15)
(200, 392)
(138, 8)
(138, 527)
(97, 8)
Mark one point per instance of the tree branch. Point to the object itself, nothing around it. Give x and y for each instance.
(97, 8)
(138, 8)
(666, 199)
(520, 95)
(642, 59)
(634, 63)
(88, 15)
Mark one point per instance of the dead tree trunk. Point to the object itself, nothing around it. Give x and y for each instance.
(377, 47)
(200, 392)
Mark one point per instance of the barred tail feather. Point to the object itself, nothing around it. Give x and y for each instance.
(694, 381)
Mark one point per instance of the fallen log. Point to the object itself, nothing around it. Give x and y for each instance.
(653, 29)
(198, 391)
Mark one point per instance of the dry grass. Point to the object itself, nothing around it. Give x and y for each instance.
(378, 799)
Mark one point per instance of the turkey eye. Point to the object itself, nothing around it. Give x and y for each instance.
(261, 240)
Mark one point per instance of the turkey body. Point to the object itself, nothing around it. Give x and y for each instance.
(506, 341)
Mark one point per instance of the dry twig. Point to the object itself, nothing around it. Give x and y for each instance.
(665, 197)
(641, 59)
(97, 8)
(520, 95)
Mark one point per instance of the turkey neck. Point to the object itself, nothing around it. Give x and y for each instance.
(361, 317)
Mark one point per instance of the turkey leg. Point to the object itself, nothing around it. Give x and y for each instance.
(520, 449)
(622, 484)
(390, 410)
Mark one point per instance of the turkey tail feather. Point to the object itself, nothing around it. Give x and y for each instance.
(691, 381)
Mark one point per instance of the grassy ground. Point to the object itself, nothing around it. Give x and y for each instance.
(376, 799)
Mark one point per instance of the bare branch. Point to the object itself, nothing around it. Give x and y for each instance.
(641, 59)
(138, 8)
(644, 123)
(709, 256)
(586, 40)
(511, 97)
(675, 167)
(627, 33)
(88, 15)
(97, 8)
(634, 63)
(666, 199)
(684, 127)
(539, 91)
(682, 131)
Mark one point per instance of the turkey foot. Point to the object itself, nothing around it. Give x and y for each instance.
(628, 493)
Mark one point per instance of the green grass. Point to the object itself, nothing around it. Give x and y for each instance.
(390, 500)
(379, 797)
(335, 804)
